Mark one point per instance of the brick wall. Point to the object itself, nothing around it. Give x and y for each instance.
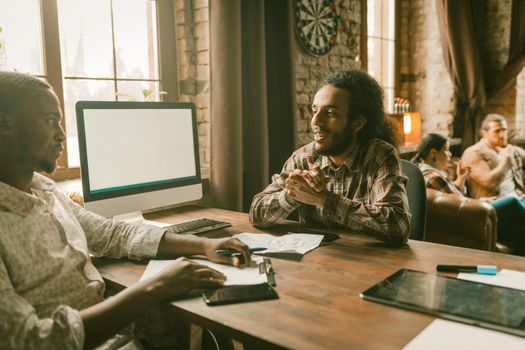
(193, 60)
(310, 70)
(192, 19)
(425, 80)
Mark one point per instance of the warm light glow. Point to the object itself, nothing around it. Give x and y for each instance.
(407, 124)
(407, 127)
(412, 128)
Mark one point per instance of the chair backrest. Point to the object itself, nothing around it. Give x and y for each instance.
(417, 199)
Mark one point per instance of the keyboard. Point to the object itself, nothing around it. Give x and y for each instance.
(197, 226)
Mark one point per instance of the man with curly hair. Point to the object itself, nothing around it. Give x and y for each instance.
(350, 176)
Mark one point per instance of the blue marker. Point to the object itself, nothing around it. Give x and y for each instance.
(232, 252)
(481, 269)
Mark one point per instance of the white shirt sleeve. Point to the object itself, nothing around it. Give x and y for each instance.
(111, 238)
(21, 328)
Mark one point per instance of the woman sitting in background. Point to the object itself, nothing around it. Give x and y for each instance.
(433, 158)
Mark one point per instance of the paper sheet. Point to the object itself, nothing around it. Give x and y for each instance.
(443, 334)
(298, 243)
(234, 275)
(504, 278)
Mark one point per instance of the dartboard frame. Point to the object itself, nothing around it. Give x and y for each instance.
(316, 25)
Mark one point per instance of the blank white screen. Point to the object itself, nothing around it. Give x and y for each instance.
(134, 146)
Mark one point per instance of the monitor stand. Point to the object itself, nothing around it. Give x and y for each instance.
(136, 218)
(133, 218)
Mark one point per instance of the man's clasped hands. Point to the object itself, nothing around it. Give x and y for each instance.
(308, 186)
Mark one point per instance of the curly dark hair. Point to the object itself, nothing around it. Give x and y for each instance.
(366, 99)
(16, 87)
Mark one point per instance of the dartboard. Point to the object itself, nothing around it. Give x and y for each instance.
(316, 25)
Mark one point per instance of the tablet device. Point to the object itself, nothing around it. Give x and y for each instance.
(239, 294)
(474, 303)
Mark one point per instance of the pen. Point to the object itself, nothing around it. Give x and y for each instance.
(481, 269)
(231, 252)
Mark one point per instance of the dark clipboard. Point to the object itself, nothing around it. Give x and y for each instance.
(244, 293)
(473, 303)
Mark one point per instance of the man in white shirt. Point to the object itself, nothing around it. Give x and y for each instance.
(51, 295)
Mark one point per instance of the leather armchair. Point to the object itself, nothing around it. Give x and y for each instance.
(462, 222)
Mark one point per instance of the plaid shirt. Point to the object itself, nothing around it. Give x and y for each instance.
(436, 180)
(367, 193)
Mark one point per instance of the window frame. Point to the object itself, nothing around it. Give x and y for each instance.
(397, 36)
(167, 63)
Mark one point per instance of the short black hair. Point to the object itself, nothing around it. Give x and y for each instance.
(16, 87)
(429, 142)
(367, 100)
(492, 117)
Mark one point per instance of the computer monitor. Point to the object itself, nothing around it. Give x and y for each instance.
(136, 156)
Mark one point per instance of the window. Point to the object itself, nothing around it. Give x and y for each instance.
(90, 50)
(381, 46)
(21, 44)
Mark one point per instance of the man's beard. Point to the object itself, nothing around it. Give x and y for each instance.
(47, 166)
(341, 142)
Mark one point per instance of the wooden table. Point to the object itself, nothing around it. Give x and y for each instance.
(319, 304)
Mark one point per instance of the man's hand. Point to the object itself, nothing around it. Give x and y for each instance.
(212, 245)
(462, 171)
(183, 245)
(307, 186)
(183, 276)
(506, 152)
(315, 178)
